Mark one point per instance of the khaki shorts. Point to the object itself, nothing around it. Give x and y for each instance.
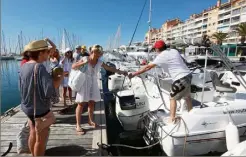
(181, 88)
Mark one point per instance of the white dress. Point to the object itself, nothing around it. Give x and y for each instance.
(90, 89)
(67, 66)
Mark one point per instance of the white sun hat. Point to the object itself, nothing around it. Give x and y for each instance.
(66, 50)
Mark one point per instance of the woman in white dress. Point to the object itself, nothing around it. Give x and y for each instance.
(66, 63)
(90, 92)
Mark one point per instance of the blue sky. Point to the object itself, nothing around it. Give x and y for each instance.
(93, 21)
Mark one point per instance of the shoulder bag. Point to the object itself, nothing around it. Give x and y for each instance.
(48, 119)
(22, 139)
(77, 78)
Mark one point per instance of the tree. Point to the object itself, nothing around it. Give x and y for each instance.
(220, 37)
(241, 30)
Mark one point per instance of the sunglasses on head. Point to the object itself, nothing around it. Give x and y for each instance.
(97, 48)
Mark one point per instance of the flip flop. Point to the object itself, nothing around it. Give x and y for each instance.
(94, 125)
(80, 131)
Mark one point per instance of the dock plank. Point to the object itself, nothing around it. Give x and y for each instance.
(63, 140)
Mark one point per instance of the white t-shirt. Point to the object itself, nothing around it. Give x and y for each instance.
(172, 63)
(76, 56)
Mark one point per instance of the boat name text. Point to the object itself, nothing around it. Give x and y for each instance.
(235, 111)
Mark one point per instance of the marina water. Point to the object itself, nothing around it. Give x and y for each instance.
(10, 95)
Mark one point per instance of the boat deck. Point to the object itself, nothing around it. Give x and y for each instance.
(63, 140)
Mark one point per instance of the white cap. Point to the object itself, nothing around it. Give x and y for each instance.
(78, 47)
(67, 49)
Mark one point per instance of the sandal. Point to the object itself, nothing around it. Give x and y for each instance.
(63, 111)
(80, 131)
(94, 125)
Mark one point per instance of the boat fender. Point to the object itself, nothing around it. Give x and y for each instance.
(232, 135)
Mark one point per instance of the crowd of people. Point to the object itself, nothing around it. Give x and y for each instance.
(44, 69)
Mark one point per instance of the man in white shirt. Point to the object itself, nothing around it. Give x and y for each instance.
(77, 54)
(171, 61)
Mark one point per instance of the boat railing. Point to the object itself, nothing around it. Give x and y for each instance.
(156, 78)
(9, 113)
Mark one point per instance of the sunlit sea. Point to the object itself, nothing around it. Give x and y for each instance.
(10, 96)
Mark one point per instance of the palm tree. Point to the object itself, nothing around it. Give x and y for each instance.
(241, 30)
(220, 36)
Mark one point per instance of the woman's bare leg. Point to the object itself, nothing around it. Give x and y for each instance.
(79, 110)
(40, 145)
(65, 96)
(91, 106)
(32, 137)
(70, 95)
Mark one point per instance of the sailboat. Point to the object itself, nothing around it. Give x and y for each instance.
(20, 46)
(4, 55)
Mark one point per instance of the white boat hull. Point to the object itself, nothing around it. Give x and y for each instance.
(196, 145)
(202, 130)
(239, 150)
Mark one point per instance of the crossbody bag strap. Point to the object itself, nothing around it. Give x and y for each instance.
(35, 84)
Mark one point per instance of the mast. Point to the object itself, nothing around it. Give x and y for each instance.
(119, 36)
(63, 43)
(150, 11)
(9, 46)
(19, 43)
(110, 43)
(4, 44)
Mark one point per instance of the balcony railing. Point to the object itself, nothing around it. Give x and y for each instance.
(234, 21)
(224, 17)
(226, 9)
(223, 24)
(235, 12)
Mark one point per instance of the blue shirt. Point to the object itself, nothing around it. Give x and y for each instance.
(44, 89)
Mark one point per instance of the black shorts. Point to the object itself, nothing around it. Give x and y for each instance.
(31, 117)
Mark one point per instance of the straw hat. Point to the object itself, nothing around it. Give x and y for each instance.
(36, 45)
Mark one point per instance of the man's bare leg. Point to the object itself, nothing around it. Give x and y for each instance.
(189, 102)
(173, 107)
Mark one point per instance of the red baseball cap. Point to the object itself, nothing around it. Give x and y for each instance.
(159, 44)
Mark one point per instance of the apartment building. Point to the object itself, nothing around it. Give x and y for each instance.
(223, 17)
(195, 26)
(230, 15)
(154, 34)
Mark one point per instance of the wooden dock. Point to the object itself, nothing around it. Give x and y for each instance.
(63, 140)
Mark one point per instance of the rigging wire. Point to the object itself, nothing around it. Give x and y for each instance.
(137, 23)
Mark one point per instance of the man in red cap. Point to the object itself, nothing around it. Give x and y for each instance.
(172, 62)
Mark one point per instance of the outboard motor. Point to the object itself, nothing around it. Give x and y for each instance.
(115, 82)
(131, 108)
